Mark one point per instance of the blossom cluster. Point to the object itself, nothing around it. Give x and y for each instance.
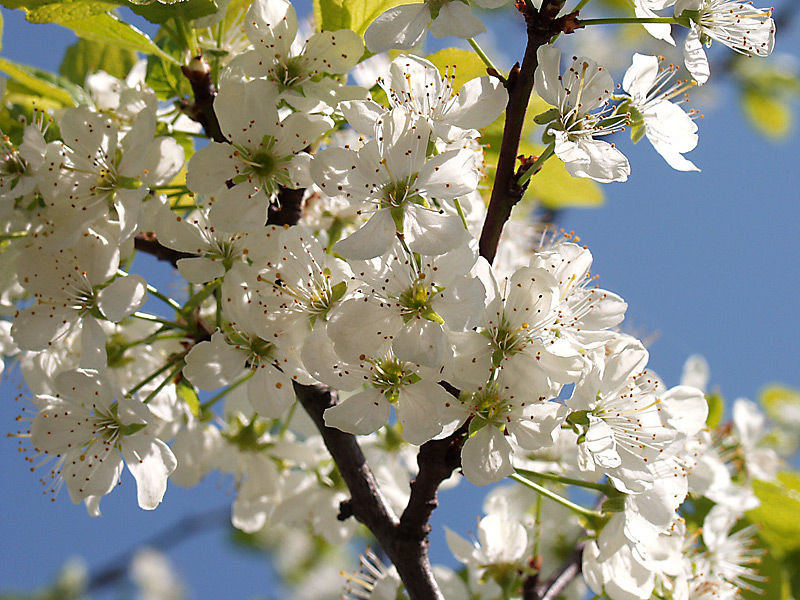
(379, 292)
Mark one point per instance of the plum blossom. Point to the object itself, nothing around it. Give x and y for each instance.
(416, 84)
(394, 174)
(670, 130)
(403, 27)
(91, 429)
(301, 71)
(584, 87)
(738, 25)
(258, 158)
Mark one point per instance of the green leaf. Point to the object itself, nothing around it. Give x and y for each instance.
(330, 15)
(160, 12)
(36, 81)
(716, 410)
(779, 513)
(109, 29)
(770, 115)
(68, 10)
(87, 56)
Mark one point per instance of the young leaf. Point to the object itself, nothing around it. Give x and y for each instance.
(331, 15)
(86, 56)
(109, 29)
(159, 12)
(36, 81)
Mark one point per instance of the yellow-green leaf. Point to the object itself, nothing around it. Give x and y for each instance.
(189, 395)
(331, 15)
(768, 114)
(32, 80)
(779, 513)
(467, 64)
(782, 404)
(555, 189)
(716, 409)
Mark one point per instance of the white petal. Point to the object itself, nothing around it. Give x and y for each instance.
(456, 19)
(694, 55)
(150, 461)
(123, 297)
(360, 414)
(212, 364)
(401, 27)
(449, 175)
(418, 408)
(430, 232)
(486, 456)
(93, 345)
(422, 342)
(479, 102)
(373, 239)
(270, 392)
(199, 269)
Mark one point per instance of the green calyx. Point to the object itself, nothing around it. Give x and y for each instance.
(416, 302)
(247, 436)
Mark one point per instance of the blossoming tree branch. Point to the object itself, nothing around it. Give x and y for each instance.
(354, 329)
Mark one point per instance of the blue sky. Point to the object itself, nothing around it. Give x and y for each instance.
(707, 261)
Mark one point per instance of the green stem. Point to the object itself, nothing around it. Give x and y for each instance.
(156, 338)
(12, 236)
(483, 56)
(209, 403)
(576, 508)
(538, 523)
(186, 36)
(155, 319)
(161, 385)
(460, 212)
(286, 421)
(150, 289)
(175, 359)
(531, 171)
(198, 298)
(623, 20)
(160, 188)
(600, 487)
(580, 6)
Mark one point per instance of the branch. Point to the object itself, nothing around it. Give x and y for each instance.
(173, 535)
(288, 209)
(408, 553)
(202, 109)
(147, 243)
(541, 27)
(558, 582)
(437, 459)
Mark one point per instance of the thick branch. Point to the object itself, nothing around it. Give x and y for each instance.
(408, 553)
(541, 27)
(437, 459)
(147, 243)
